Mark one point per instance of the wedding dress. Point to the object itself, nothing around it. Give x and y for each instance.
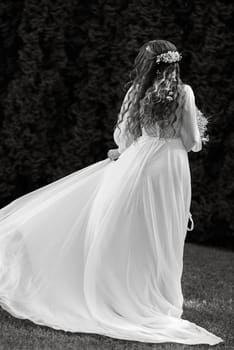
(101, 250)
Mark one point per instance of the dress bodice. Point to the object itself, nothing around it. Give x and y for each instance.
(168, 132)
(172, 131)
(185, 125)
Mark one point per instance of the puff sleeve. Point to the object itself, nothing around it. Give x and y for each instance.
(121, 136)
(190, 133)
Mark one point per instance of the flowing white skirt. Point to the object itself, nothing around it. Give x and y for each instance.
(101, 250)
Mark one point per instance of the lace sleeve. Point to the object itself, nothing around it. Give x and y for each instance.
(121, 136)
(190, 133)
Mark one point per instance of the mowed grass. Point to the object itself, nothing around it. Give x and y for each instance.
(207, 287)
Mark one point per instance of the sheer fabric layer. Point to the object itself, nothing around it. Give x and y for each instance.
(101, 250)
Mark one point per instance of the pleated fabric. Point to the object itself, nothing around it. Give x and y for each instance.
(101, 250)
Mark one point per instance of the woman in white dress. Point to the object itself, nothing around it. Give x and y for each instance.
(101, 250)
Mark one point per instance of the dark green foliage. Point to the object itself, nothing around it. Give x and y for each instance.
(63, 66)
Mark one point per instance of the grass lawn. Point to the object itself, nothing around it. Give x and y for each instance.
(207, 287)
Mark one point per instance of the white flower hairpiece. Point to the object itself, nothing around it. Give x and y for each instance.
(169, 57)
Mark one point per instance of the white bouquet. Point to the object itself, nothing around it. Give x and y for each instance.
(202, 122)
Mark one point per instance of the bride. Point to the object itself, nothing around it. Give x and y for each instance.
(101, 250)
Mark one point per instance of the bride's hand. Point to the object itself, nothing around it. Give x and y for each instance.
(113, 154)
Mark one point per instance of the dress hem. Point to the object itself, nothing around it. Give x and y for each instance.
(6, 306)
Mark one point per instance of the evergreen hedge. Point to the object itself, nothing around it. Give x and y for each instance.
(63, 66)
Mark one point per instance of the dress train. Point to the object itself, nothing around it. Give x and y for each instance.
(101, 250)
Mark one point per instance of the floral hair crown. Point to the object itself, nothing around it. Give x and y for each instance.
(169, 57)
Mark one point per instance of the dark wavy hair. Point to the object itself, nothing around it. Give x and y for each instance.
(154, 92)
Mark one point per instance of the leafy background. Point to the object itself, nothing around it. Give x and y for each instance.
(63, 66)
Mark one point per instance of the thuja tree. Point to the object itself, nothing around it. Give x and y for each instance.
(64, 65)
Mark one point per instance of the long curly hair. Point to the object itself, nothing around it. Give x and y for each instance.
(154, 92)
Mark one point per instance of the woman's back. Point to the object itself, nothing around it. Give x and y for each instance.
(185, 125)
(173, 130)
